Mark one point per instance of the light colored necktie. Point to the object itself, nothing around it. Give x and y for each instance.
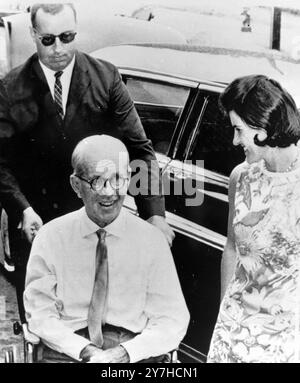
(98, 304)
(58, 94)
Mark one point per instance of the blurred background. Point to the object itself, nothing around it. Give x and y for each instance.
(213, 23)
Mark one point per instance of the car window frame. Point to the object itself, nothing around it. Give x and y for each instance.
(166, 79)
(193, 137)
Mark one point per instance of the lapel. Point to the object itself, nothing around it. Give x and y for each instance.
(43, 93)
(79, 83)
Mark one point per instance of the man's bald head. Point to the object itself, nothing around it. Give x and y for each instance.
(101, 177)
(98, 151)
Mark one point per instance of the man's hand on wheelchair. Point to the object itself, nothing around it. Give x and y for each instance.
(93, 354)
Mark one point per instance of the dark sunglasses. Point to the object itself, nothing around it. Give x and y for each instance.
(65, 37)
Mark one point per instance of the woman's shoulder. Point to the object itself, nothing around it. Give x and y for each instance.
(245, 170)
(237, 171)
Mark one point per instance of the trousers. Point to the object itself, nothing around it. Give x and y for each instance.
(112, 337)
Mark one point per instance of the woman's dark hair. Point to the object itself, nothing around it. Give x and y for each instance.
(262, 103)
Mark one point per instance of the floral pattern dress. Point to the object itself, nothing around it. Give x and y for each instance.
(259, 315)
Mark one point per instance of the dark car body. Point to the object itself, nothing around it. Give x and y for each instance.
(176, 91)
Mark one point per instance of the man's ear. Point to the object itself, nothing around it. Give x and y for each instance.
(74, 181)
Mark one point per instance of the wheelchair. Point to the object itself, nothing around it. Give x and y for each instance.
(33, 347)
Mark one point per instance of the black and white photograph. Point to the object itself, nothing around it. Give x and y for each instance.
(149, 183)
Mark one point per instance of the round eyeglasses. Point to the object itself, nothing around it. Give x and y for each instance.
(49, 39)
(97, 184)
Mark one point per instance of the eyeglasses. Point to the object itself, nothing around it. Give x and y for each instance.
(97, 184)
(48, 39)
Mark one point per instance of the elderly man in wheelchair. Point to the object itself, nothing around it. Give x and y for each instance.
(101, 284)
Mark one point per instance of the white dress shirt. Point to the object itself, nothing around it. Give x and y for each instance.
(144, 294)
(65, 80)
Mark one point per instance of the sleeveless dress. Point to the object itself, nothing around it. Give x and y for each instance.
(259, 316)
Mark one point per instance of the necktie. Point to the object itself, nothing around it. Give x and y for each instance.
(58, 94)
(97, 308)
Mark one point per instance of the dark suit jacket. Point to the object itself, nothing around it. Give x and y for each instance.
(36, 146)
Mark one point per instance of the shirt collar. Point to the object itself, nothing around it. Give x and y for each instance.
(50, 73)
(115, 228)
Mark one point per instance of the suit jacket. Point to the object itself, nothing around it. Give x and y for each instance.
(36, 145)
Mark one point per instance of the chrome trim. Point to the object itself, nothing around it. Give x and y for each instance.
(184, 124)
(210, 174)
(195, 130)
(220, 178)
(134, 71)
(158, 76)
(217, 88)
(191, 170)
(161, 104)
(220, 196)
(192, 353)
(186, 227)
(163, 161)
(195, 231)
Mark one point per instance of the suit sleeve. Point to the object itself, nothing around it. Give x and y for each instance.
(148, 195)
(11, 197)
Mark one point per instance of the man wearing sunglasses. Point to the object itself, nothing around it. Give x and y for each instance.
(47, 105)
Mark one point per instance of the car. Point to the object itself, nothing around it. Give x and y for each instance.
(176, 89)
(93, 33)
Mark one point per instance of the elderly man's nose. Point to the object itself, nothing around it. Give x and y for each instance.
(107, 189)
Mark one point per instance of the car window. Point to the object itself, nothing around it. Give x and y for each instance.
(213, 141)
(159, 106)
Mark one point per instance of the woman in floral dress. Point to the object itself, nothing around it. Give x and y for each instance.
(259, 317)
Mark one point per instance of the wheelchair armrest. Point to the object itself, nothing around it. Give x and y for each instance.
(32, 350)
(29, 337)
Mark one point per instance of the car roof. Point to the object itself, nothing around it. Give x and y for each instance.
(93, 33)
(217, 65)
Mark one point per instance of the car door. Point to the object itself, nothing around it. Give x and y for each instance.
(160, 101)
(172, 111)
(163, 104)
(166, 108)
(198, 204)
(211, 142)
